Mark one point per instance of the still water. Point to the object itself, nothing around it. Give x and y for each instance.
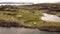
(13, 30)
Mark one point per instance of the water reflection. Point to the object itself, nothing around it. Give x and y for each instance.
(13, 30)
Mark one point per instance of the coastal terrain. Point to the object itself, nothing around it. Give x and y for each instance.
(29, 16)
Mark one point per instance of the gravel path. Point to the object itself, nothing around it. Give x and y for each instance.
(13, 30)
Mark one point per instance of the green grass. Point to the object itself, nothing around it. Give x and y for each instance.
(28, 17)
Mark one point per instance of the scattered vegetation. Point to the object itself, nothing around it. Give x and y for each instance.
(29, 15)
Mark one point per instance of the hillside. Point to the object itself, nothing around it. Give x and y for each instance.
(29, 16)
